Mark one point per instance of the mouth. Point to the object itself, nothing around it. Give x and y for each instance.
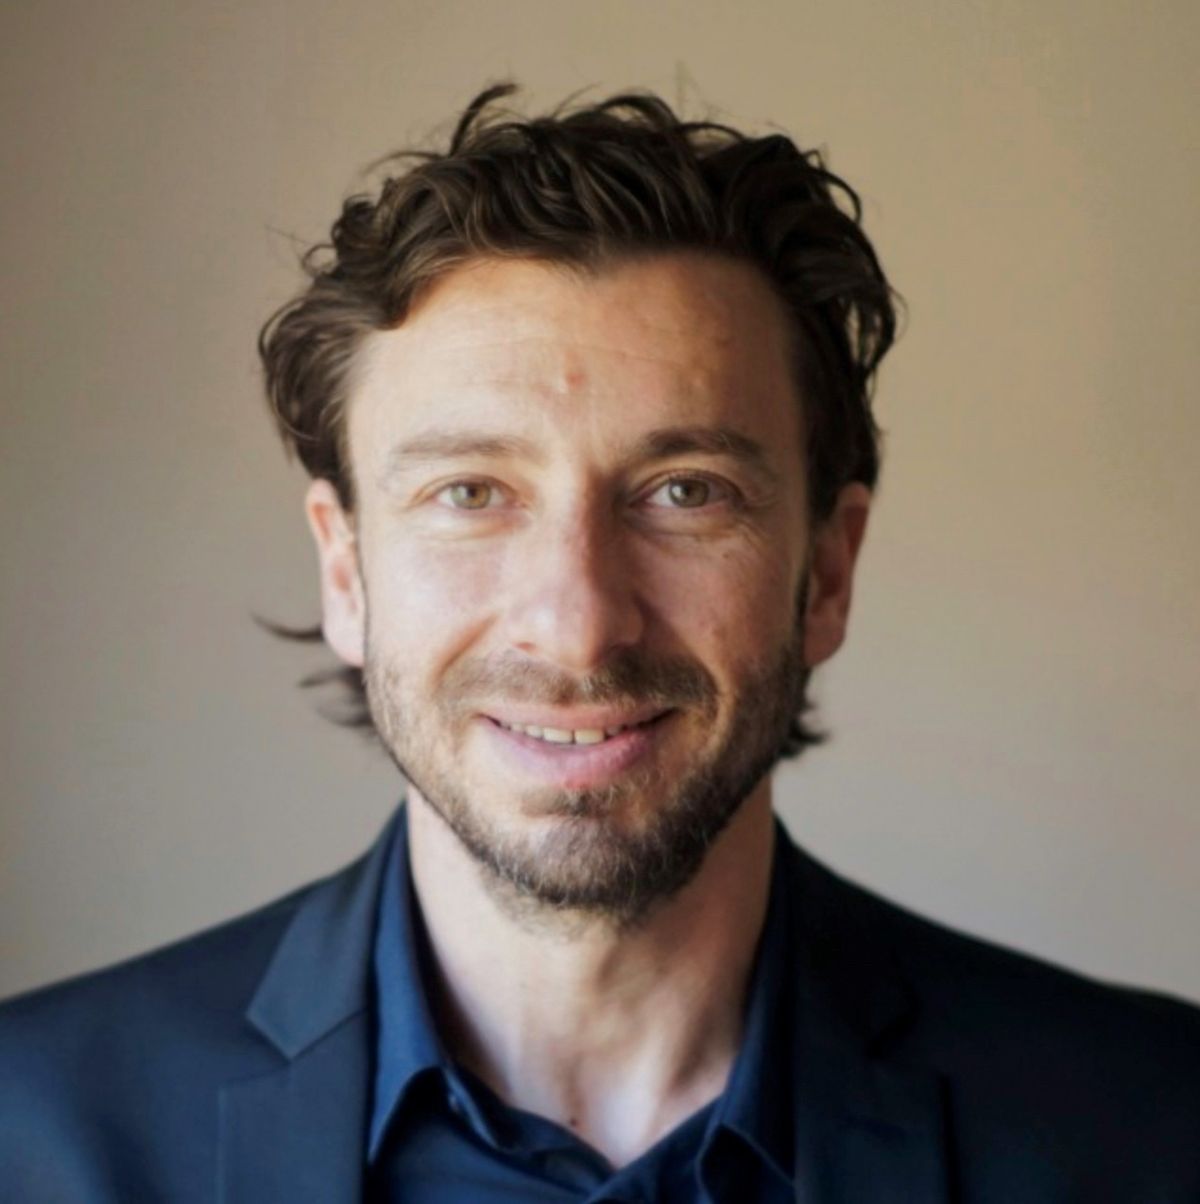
(578, 757)
(587, 736)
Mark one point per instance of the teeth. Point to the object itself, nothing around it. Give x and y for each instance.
(562, 735)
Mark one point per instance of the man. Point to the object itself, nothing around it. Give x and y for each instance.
(586, 404)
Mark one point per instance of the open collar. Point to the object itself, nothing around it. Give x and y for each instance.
(868, 1123)
(407, 1041)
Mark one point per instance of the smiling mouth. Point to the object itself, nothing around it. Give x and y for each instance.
(584, 736)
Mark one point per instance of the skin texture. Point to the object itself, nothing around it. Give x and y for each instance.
(581, 504)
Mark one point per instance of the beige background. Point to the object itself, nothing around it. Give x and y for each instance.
(1016, 716)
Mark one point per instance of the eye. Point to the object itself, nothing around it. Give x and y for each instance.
(688, 493)
(468, 495)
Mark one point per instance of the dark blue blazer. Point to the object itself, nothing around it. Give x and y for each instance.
(930, 1067)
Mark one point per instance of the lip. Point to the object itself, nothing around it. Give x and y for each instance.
(576, 718)
(576, 766)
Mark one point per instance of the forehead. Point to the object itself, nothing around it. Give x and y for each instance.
(666, 340)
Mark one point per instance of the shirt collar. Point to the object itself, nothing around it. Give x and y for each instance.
(406, 1041)
(756, 1105)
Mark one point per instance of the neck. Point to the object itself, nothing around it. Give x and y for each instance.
(615, 1033)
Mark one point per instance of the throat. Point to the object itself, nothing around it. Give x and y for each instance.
(619, 1106)
(617, 1035)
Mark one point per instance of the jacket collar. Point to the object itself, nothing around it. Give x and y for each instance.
(868, 1124)
(298, 1132)
(320, 974)
(848, 973)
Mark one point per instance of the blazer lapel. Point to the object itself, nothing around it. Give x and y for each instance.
(298, 1132)
(869, 1127)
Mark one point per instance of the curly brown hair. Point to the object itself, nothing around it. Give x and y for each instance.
(590, 185)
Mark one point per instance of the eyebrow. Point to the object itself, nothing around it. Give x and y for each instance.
(656, 445)
(707, 441)
(450, 445)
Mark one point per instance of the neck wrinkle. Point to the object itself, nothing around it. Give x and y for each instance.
(617, 1036)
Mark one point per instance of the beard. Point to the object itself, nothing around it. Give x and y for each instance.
(596, 853)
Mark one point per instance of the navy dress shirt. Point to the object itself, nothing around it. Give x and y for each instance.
(439, 1134)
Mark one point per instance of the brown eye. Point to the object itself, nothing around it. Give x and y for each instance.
(469, 495)
(688, 493)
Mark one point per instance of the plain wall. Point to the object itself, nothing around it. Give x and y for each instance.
(1015, 718)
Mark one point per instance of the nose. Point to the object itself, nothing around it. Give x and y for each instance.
(574, 595)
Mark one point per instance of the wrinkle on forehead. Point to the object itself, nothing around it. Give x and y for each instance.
(556, 344)
(672, 297)
(673, 340)
(561, 367)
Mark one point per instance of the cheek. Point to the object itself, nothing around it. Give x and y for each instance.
(426, 604)
(731, 606)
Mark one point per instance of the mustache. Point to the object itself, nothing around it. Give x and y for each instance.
(628, 678)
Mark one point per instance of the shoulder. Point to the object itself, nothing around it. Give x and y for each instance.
(1017, 1037)
(965, 983)
(963, 979)
(201, 979)
(203, 974)
(137, 1048)
(110, 1083)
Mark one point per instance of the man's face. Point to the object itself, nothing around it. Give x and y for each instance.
(576, 577)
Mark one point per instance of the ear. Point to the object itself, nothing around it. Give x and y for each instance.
(343, 605)
(834, 549)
